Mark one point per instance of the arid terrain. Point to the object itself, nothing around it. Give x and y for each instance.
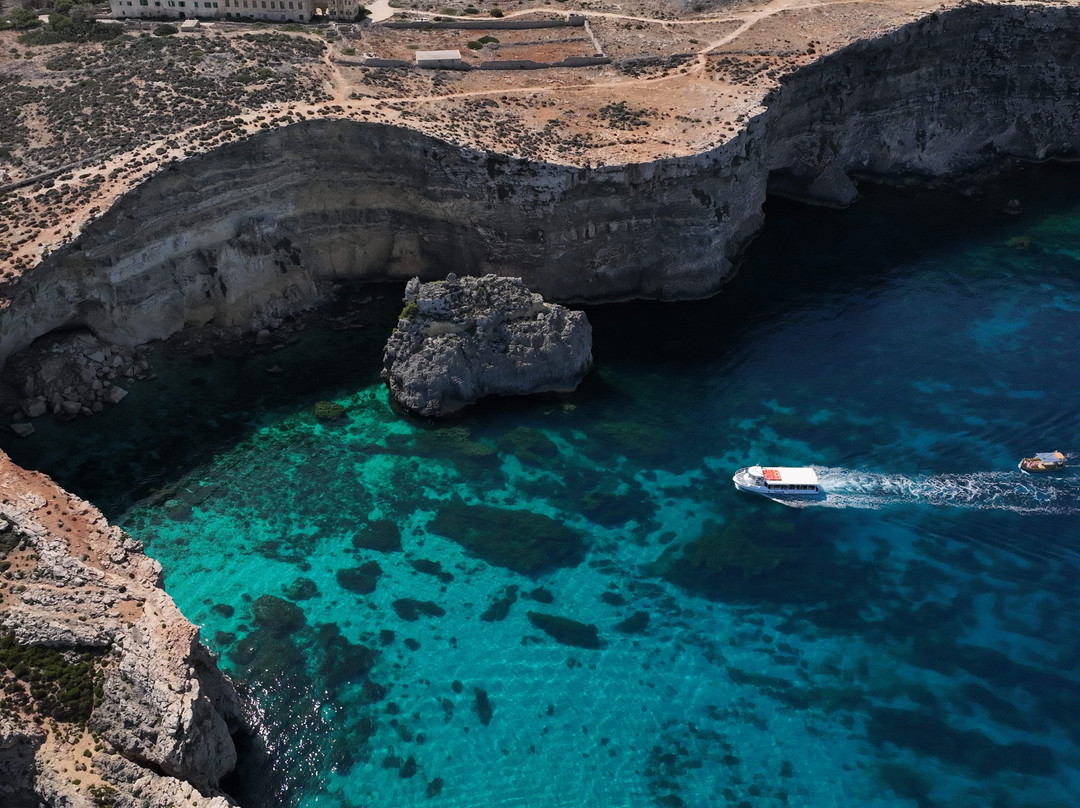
(81, 123)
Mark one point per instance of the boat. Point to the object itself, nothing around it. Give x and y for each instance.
(778, 481)
(1043, 461)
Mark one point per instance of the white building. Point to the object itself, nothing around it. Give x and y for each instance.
(440, 59)
(262, 10)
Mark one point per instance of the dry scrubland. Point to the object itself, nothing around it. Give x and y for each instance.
(81, 123)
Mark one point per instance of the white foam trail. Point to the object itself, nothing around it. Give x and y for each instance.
(985, 490)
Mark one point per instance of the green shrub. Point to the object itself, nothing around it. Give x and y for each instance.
(64, 685)
(412, 308)
(484, 40)
(496, 12)
(21, 19)
(166, 30)
(348, 51)
(103, 796)
(76, 27)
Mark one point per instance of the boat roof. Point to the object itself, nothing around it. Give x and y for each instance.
(803, 475)
(1050, 457)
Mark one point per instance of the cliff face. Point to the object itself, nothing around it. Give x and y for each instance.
(80, 601)
(942, 95)
(252, 229)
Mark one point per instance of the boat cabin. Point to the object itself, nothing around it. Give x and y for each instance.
(790, 479)
(777, 480)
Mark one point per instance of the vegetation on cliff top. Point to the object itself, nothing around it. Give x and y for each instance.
(64, 684)
(60, 103)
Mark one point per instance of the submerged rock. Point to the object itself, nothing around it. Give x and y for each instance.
(301, 589)
(328, 410)
(634, 624)
(410, 609)
(362, 579)
(566, 631)
(523, 541)
(381, 535)
(482, 706)
(500, 606)
(277, 615)
(459, 340)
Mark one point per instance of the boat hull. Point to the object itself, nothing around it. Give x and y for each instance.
(1037, 468)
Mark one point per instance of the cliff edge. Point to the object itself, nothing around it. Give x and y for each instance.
(263, 225)
(109, 698)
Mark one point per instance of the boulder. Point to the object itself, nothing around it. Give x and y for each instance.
(566, 631)
(460, 340)
(114, 395)
(66, 372)
(34, 407)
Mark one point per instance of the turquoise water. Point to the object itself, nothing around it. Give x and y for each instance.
(913, 640)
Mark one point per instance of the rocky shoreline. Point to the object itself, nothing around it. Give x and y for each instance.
(71, 374)
(109, 697)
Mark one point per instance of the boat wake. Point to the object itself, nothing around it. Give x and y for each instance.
(989, 490)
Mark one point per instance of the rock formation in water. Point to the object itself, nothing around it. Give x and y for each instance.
(109, 698)
(460, 340)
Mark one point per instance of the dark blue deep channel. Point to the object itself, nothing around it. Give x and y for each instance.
(387, 587)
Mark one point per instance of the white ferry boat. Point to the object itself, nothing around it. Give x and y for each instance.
(778, 481)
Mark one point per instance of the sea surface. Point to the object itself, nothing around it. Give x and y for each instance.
(563, 601)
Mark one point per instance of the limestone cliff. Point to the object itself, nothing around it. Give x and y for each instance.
(258, 227)
(460, 340)
(141, 715)
(942, 95)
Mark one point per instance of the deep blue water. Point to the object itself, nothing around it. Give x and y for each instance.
(913, 640)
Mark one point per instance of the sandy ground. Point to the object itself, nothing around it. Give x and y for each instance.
(679, 82)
